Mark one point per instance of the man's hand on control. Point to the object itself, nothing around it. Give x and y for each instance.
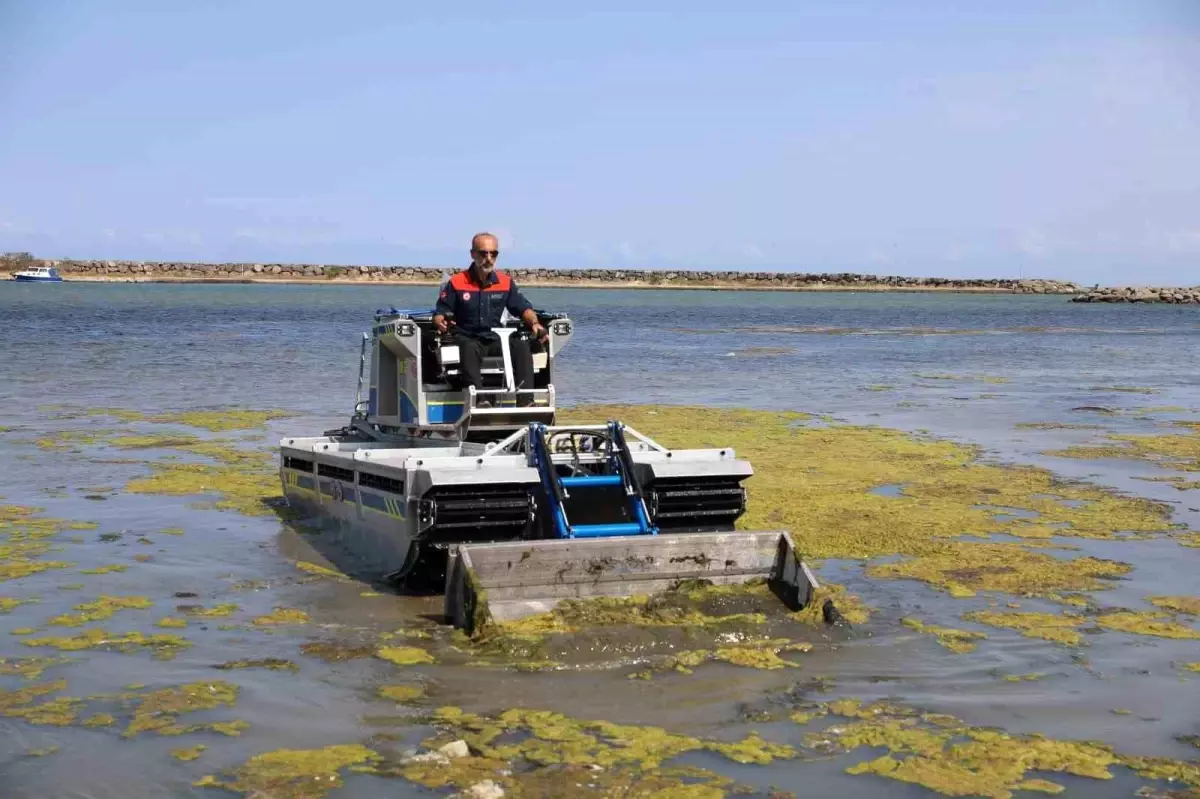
(539, 332)
(441, 324)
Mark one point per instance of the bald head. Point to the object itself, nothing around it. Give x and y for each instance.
(484, 241)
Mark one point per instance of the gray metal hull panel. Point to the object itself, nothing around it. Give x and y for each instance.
(381, 538)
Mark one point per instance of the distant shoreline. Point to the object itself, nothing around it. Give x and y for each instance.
(693, 280)
(870, 287)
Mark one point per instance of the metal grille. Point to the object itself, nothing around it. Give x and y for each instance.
(336, 472)
(696, 503)
(389, 484)
(472, 513)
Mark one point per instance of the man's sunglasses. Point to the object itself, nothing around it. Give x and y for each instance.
(493, 253)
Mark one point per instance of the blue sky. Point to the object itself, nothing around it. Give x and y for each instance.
(1005, 138)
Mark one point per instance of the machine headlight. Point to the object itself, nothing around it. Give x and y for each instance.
(561, 328)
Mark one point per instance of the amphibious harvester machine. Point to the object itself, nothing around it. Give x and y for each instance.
(507, 512)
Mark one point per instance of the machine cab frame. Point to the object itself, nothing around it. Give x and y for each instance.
(415, 383)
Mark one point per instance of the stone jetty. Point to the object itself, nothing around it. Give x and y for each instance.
(156, 271)
(1175, 296)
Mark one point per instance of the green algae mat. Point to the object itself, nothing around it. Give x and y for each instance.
(990, 545)
(821, 484)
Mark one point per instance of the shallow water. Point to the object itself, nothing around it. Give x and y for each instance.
(965, 367)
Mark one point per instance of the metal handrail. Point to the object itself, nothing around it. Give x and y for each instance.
(362, 364)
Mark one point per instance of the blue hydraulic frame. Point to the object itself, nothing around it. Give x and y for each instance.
(620, 473)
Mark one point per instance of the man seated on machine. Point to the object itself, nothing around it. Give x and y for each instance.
(477, 297)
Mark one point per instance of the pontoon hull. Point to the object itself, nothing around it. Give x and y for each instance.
(380, 539)
(381, 497)
(470, 490)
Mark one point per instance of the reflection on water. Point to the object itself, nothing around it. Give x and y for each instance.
(1011, 375)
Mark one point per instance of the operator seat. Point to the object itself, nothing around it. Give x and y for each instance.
(492, 369)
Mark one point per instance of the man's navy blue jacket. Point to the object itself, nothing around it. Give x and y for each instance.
(477, 309)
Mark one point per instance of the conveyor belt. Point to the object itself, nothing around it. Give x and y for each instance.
(475, 513)
(692, 503)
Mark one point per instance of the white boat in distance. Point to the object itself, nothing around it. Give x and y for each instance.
(39, 274)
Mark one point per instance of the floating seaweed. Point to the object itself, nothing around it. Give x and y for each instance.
(1179, 452)
(959, 641)
(404, 655)
(26, 537)
(743, 623)
(1146, 623)
(58, 712)
(828, 506)
(334, 652)
(300, 773)
(1033, 677)
(164, 645)
(215, 420)
(401, 693)
(10, 603)
(542, 753)
(962, 569)
(99, 720)
(1047, 626)
(282, 616)
(189, 753)
(241, 488)
(1179, 604)
(320, 571)
(29, 667)
(273, 664)
(956, 759)
(215, 612)
(159, 711)
(101, 608)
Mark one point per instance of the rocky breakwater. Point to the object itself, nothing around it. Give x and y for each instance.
(1174, 296)
(145, 271)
